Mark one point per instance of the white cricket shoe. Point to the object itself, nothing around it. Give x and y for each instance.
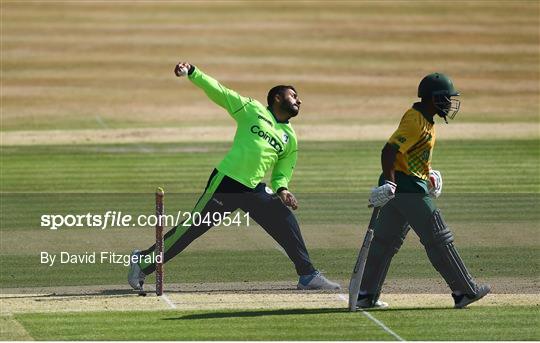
(316, 281)
(135, 274)
(367, 302)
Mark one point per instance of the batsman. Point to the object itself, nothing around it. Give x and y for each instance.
(406, 189)
(264, 142)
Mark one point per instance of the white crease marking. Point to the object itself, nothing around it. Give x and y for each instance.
(375, 320)
(165, 298)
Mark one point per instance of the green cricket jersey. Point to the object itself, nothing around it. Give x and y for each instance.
(260, 143)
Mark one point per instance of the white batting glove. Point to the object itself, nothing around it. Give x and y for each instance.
(382, 194)
(435, 183)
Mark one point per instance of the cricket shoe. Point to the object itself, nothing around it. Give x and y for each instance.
(315, 281)
(135, 274)
(366, 302)
(465, 299)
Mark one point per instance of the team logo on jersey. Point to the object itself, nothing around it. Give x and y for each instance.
(425, 155)
(266, 136)
(285, 138)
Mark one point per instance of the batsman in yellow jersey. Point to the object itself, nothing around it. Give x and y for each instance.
(404, 196)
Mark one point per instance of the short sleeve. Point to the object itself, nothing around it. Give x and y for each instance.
(407, 133)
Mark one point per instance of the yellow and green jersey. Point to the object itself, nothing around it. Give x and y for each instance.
(260, 143)
(414, 139)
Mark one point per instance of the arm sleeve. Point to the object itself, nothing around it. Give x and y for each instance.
(219, 94)
(283, 170)
(406, 135)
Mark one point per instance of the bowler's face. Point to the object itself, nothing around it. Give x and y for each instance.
(291, 102)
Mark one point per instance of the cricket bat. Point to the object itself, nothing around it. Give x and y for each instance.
(358, 271)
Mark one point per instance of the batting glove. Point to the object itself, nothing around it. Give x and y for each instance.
(435, 183)
(382, 194)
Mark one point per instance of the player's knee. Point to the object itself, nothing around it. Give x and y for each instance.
(387, 245)
(439, 233)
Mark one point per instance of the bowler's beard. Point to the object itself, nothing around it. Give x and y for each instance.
(290, 109)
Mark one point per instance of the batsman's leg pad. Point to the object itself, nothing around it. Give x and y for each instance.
(381, 252)
(445, 258)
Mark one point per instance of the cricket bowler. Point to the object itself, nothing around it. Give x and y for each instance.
(264, 141)
(406, 188)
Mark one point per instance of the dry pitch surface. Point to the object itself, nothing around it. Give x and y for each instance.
(270, 295)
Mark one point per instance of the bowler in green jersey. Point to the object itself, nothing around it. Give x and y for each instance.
(264, 141)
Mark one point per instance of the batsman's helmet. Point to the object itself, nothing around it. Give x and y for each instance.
(440, 89)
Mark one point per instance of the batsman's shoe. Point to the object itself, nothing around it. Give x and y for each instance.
(366, 301)
(465, 299)
(135, 274)
(316, 281)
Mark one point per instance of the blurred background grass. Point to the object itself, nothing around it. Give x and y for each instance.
(72, 65)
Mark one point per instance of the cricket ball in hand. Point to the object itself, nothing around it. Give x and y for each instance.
(181, 71)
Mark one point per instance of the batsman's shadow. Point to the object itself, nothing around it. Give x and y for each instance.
(257, 313)
(282, 312)
(375, 311)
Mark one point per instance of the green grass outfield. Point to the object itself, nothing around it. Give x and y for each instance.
(487, 263)
(485, 166)
(494, 213)
(509, 323)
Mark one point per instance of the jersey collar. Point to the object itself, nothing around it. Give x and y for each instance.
(420, 108)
